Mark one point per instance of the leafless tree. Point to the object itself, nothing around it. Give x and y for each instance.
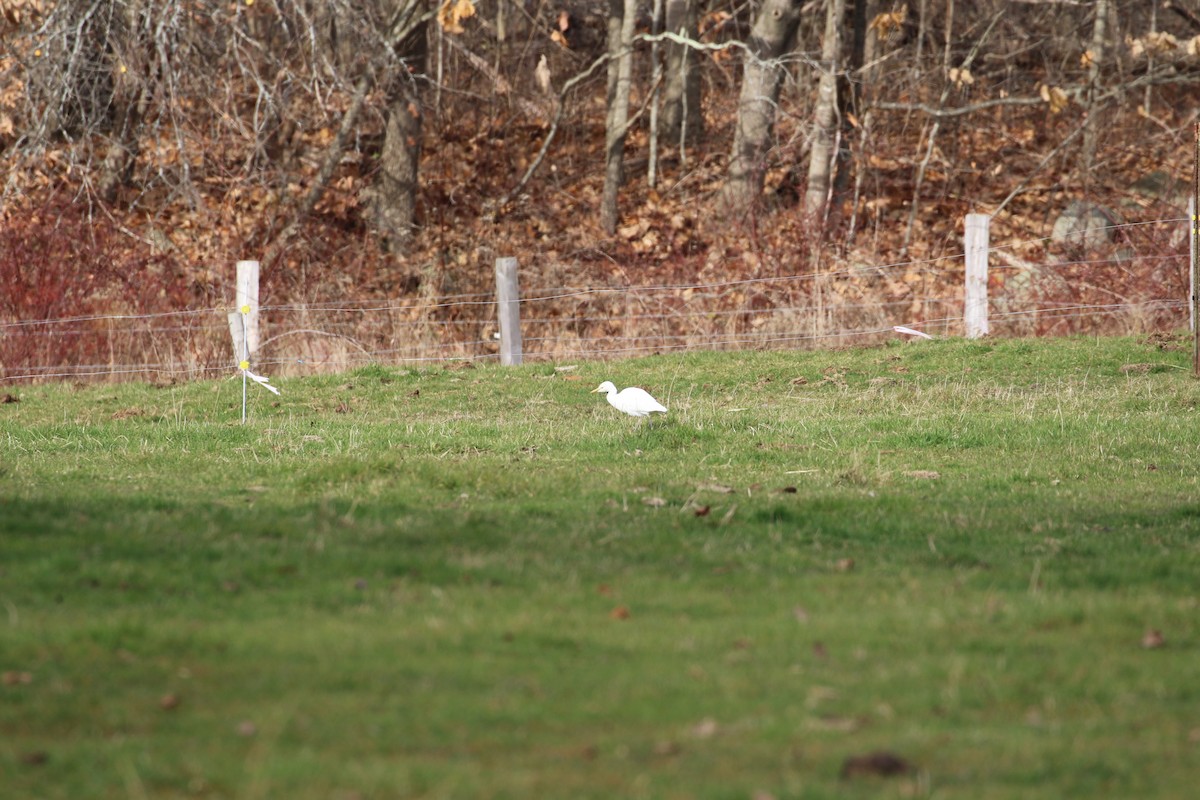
(682, 117)
(825, 116)
(771, 39)
(620, 50)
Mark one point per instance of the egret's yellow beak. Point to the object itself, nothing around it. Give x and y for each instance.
(593, 391)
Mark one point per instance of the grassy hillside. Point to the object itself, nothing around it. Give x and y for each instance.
(979, 557)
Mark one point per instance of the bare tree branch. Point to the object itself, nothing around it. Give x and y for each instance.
(333, 156)
(1161, 78)
(949, 113)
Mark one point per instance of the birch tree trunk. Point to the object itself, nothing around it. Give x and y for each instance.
(618, 115)
(824, 133)
(770, 40)
(1095, 57)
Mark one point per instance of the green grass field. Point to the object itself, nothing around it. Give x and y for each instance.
(487, 583)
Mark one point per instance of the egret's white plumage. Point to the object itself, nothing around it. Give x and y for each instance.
(633, 401)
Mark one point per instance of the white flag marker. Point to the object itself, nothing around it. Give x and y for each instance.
(261, 380)
(910, 331)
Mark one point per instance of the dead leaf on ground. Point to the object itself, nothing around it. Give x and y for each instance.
(654, 502)
(925, 474)
(169, 702)
(620, 612)
(667, 748)
(35, 758)
(844, 564)
(705, 728)
(702, 511)
(716, 487)
(880, 763)
(1153, 639)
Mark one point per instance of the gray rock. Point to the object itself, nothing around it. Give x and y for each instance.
(1083, 223)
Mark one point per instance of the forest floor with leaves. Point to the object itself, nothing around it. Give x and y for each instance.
(174, 248)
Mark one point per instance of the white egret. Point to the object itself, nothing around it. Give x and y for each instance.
(633, 401)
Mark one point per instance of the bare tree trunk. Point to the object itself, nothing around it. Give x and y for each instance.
(396, 190)
(851, 92)
(824, 132)
(616, 16)
(681, 113)
(770, 39)
(656, 75)
(1095, 56)
(395, 196)
(618, 116)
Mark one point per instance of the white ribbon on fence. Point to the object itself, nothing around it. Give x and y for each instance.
(261, 380)
(910, 332)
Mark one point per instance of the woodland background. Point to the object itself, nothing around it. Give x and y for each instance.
(773, 173)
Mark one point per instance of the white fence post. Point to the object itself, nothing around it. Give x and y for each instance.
(247, 298)
(975, 241)
(508, 307)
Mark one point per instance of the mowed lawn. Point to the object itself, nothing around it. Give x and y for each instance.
(979, 561)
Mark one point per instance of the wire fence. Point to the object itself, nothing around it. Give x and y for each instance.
(1139, 283)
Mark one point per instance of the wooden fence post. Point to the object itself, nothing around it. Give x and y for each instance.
(1193, 230)
(975, 294)
(1195, 270)
(508, 308)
